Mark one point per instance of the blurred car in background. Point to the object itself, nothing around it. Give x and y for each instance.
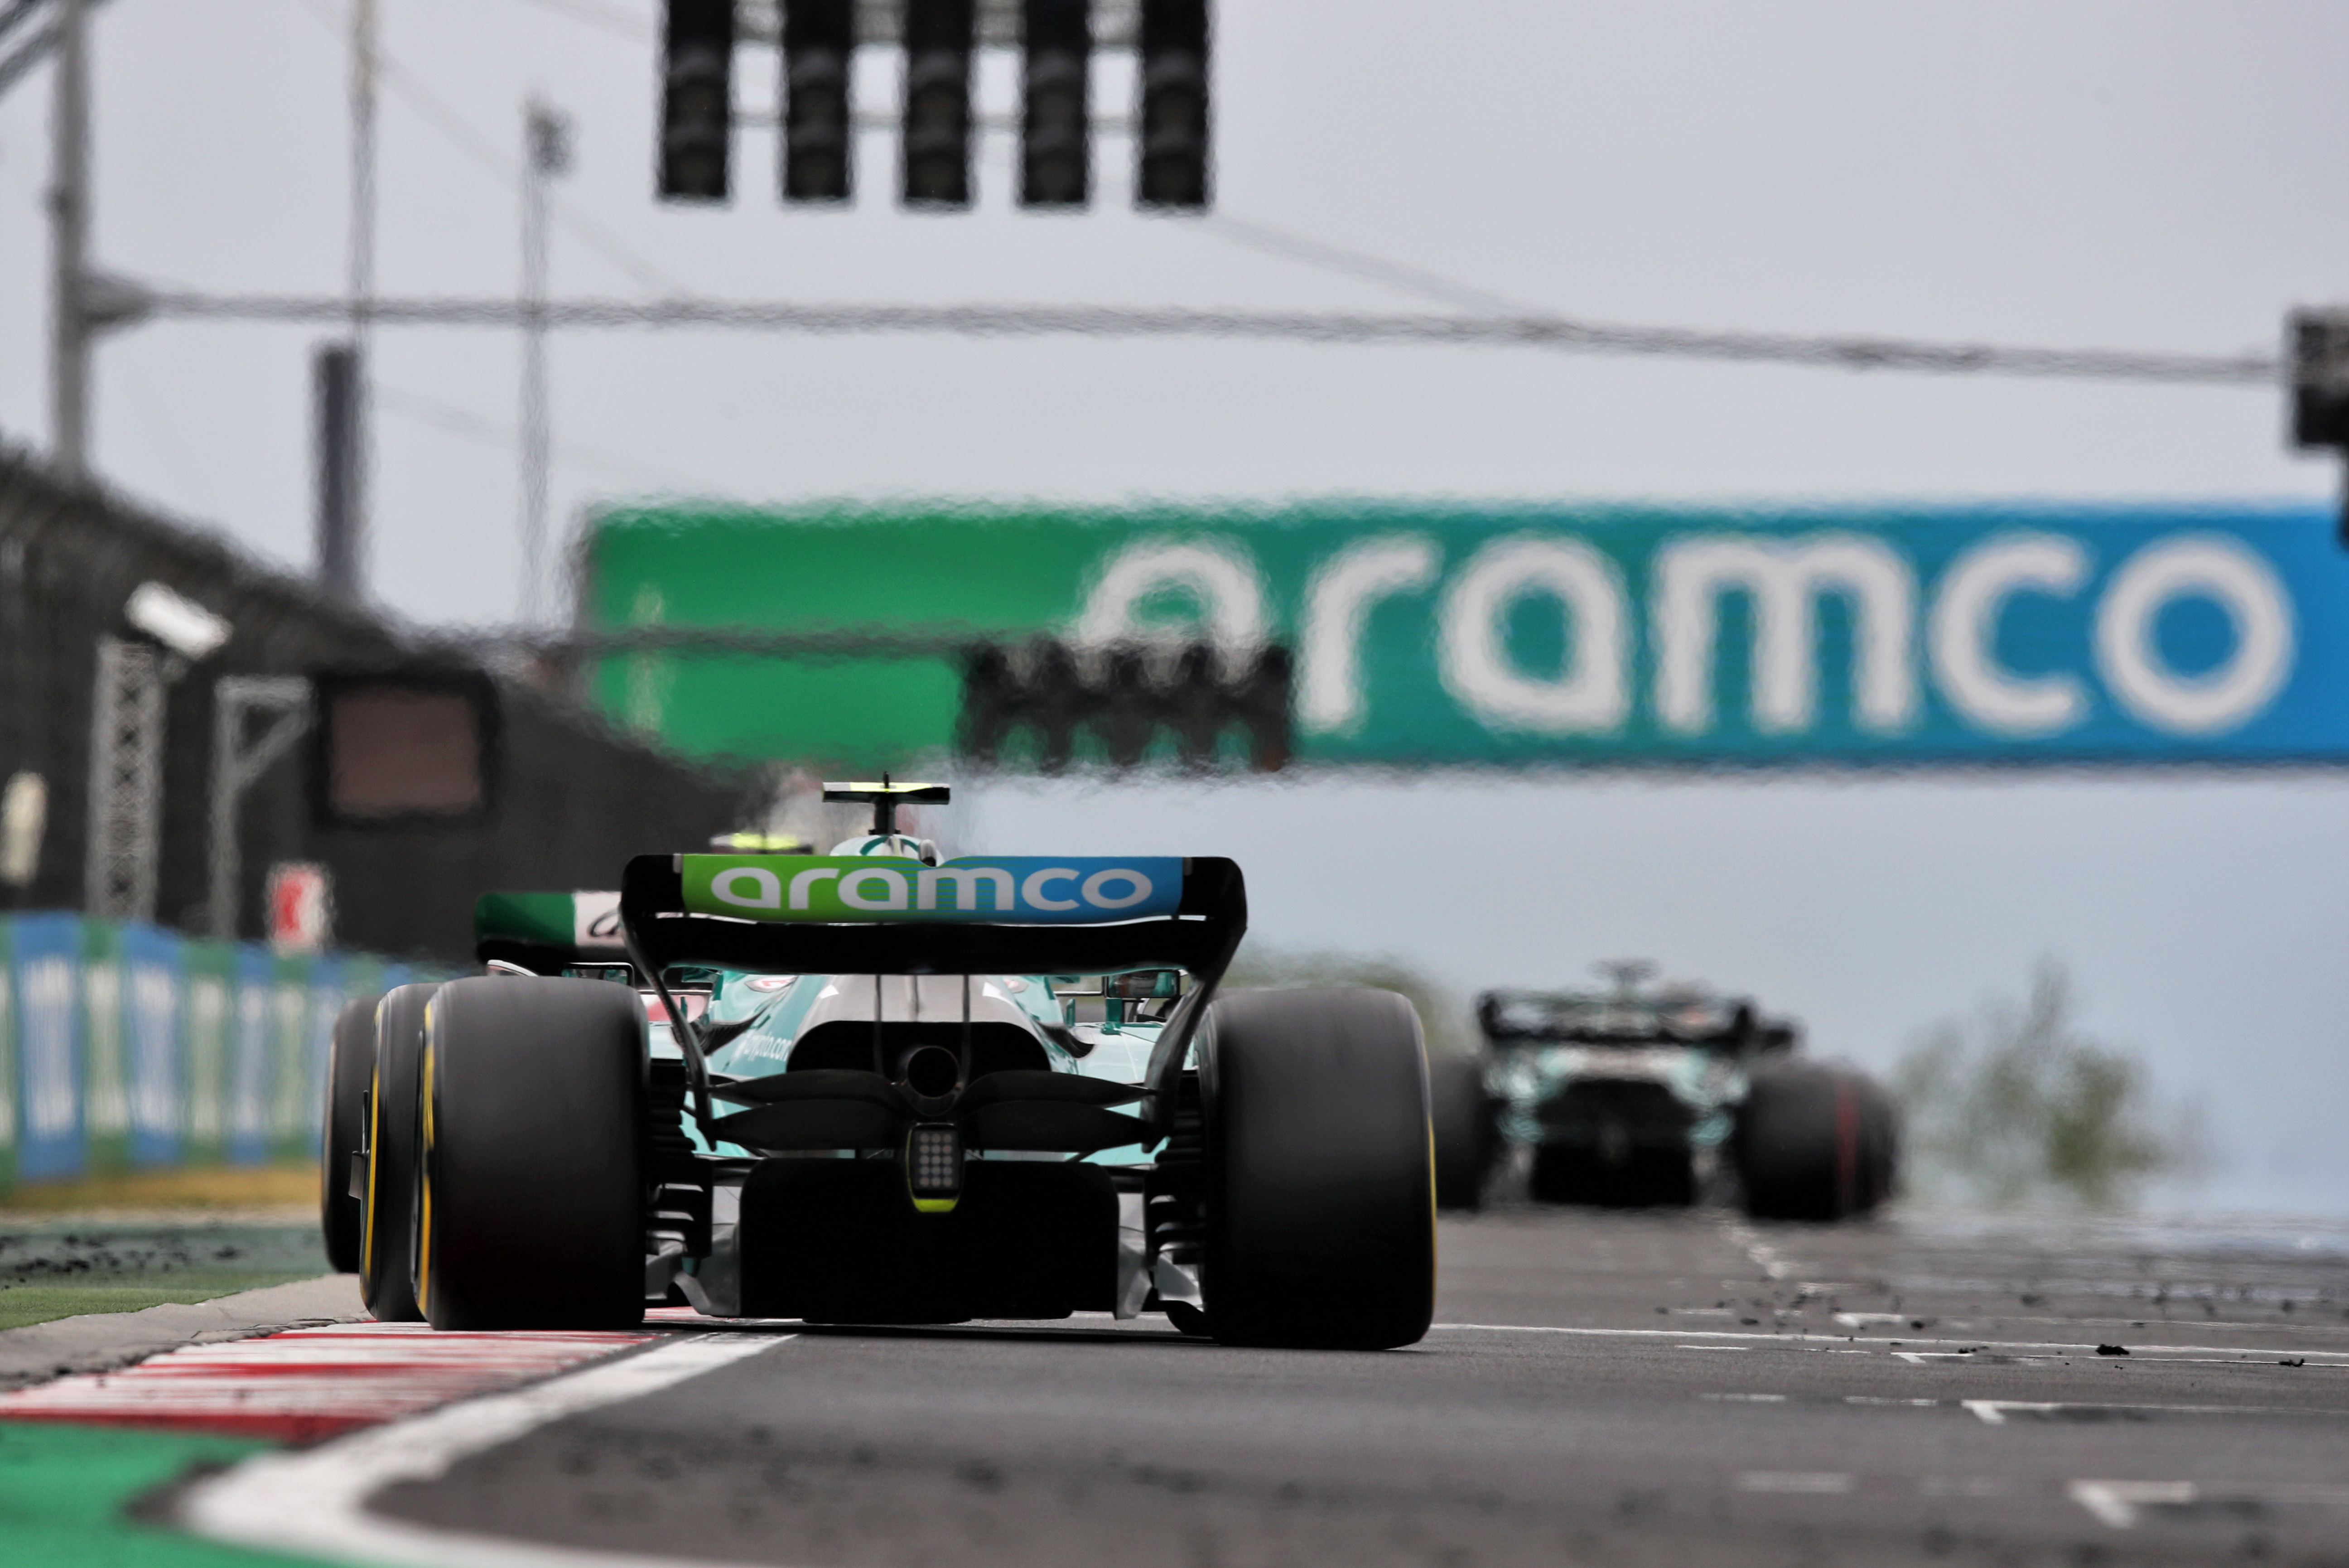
(1659, 1095)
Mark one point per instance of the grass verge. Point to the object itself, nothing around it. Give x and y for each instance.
(25, 1304)
(215, 1187)
(64, 1267)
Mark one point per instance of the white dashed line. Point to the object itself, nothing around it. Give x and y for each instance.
(1996, 1412)
(1764, 1256)
(1815, 1483)
(1964, 1486)
(2122, 1503)
(2116, 1503)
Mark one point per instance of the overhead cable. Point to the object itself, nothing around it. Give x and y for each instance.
(1555, 333)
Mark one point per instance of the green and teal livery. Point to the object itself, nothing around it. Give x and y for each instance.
(884, 1086)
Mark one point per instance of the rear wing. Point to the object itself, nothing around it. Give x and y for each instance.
(548, 932)
(1590, 1017)
(804, 914)
(814, 914)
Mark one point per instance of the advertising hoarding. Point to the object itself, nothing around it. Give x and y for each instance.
(1919, 636)
(128, 1046)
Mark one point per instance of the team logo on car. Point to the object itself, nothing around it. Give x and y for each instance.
(1018, 889)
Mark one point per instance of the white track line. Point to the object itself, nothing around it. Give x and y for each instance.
(314, 1501)
(2116, 1503)
(2257, 1353)
(1994, 1412)
(1764, 1256)
(1814, 1483)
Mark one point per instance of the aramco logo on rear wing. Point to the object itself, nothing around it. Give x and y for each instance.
(1938, 637)
(1011, 889)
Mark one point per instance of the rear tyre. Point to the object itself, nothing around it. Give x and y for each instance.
(531, 1200)
(1815, 1142)
(1320, 1165)
(388, 1222)
(350, 1067)
(1466, 1137)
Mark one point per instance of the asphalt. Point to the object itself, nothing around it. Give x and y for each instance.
(1674, 1389)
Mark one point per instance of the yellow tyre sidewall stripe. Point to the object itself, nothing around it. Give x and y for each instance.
(368, 1269)
(424, 1172)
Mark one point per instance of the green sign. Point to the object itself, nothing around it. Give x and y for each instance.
(1908, 636)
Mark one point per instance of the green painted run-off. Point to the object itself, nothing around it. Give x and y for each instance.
(66, 1494)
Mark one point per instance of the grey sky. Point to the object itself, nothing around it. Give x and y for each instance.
(2128, 174)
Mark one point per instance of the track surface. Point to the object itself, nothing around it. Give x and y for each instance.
(1753, 1395)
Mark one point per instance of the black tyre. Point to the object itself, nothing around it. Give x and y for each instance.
(342, 1189)
(1467, 1135)
(1320, 1164)
(531, 1200)
(388, 1221)
(1815, 1142)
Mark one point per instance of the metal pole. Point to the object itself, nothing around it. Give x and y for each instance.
(335, 373)
(228, 728)
(69, 333)
(546, 136)
(237, 765)
(361, 293)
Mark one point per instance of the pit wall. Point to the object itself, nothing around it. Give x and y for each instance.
(129, 1048)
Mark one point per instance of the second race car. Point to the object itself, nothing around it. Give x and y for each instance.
(1659, 1095)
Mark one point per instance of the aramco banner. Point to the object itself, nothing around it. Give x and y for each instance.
(126, 1047)
(1908, 636)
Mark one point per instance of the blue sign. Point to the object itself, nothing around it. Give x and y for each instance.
(326, 999)
(46, 951)
(150, 961)
(252, 1074)
(1970, 635)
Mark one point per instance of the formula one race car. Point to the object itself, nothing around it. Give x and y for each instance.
(1651, 1096)
(877, 1086)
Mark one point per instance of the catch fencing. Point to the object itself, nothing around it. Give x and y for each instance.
(128, 1048)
